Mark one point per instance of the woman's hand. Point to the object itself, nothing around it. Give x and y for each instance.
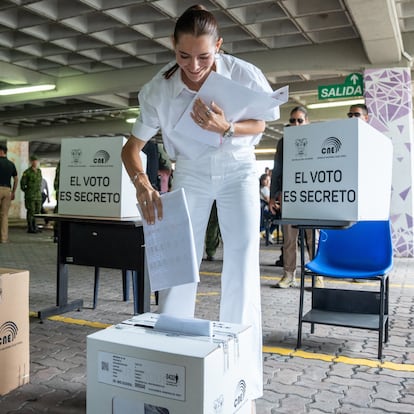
(211, 118)
(274, 206)
(149, 199)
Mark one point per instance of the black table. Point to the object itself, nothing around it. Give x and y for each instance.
(116, 243)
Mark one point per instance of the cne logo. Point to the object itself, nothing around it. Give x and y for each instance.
(8, 332)
(331, 145)
(101, 157)
(239, 393)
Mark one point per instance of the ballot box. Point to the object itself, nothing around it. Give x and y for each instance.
(133, 369)
(93, 180)
(336, 170)
(14, 329)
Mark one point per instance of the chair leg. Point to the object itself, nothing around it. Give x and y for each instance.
(387, 295)
(381, 319)
(267, 232)
(302, 289)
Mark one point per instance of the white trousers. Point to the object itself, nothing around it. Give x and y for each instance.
(231, 179)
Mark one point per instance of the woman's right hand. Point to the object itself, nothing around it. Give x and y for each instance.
(148, 199)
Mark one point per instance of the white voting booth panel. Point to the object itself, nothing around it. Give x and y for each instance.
(336, 170)
(93, 180)
(137, 370)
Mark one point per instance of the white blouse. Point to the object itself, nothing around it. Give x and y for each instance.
(163, 101)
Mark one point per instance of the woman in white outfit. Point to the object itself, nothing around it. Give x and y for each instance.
(226, 173)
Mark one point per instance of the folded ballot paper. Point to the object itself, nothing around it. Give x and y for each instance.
(166, 323)
(169, 245)
(237, 101)
(184, 326)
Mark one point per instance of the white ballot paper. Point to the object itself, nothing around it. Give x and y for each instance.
(169, 245)
(237, 101)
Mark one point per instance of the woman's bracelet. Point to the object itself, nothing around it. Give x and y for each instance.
(135, 176)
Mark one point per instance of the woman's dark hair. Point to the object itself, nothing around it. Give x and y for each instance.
(262, 178)
(197, 21)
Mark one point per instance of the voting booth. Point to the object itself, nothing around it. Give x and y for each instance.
(93, 180)
(336, 170)
(135, 369)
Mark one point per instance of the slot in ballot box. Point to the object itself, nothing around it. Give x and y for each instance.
(338, 170)
(93, 180)
(133, 369)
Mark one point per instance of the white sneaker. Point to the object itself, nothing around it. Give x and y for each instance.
(288, 280)
(319, 283)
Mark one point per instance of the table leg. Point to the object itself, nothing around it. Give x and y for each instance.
(62, 304)
(302, 285)
(142, 290)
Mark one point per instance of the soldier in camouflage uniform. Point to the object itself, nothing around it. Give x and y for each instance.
(30, 185)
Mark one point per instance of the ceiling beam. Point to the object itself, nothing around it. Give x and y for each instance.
(51, 111)
(16, 75)
(91, 128)
(8, 132)
(112, 100)
(340, 57)
(116, 81)
(377, 24)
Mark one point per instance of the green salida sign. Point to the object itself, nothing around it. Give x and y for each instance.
(353, 86)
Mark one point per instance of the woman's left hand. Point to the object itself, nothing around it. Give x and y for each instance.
(211, 118)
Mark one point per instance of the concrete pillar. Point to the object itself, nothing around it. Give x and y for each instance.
(18, 152)
(388, 97)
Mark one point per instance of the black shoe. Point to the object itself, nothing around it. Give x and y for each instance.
(279, 262)
(210, 258)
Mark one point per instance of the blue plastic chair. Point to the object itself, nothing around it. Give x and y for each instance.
(363, 251)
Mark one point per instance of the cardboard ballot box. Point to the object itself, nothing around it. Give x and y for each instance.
(93, 180)
(336, 170)
(14, 329)
(137, 370)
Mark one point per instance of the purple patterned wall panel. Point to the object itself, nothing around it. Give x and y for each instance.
(388, 96)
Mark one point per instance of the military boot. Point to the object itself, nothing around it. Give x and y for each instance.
(30, 228)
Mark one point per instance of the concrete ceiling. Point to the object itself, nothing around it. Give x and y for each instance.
(100, 52)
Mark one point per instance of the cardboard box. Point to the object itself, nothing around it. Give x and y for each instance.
(336, 170)
(14, 329)
(132, 369)
(93, 180)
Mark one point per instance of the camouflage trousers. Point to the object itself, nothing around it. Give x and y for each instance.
(33, 207)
